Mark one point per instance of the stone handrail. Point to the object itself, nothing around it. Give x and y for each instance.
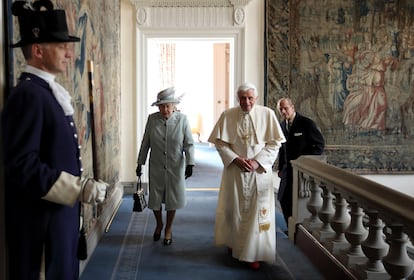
(365, 225)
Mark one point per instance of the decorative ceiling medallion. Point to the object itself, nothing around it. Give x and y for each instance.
(239, 16)
(141, 16)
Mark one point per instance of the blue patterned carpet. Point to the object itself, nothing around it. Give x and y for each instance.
(127, 251)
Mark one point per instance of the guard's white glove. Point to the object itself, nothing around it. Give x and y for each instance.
(92, 190)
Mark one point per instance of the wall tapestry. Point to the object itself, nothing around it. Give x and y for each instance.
(97, 24)
(349, 65)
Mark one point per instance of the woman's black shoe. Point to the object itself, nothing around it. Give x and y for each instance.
(168, 241)
(156, 236)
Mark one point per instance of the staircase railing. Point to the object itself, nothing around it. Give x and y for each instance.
(364, 226)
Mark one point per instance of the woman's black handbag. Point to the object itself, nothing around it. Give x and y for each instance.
(139, 198)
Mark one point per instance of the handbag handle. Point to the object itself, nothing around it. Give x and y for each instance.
(139, 183)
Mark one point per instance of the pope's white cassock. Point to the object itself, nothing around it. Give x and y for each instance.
(245, 215)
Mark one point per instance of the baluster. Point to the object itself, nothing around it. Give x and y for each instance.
(314, 205)
(397, 263)
(375, 248)
(299, 212)
(356, 233)
(339, 223)
(325, 215)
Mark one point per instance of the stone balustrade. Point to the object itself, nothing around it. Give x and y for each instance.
(364, 225)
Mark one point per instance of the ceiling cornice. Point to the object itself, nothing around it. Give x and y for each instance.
(190, 3)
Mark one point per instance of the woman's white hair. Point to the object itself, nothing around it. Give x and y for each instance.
(247, 86)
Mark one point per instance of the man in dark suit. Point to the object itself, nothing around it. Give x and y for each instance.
(43, 171)
(302, 138)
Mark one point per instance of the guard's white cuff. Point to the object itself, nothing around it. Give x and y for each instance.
(65, 190)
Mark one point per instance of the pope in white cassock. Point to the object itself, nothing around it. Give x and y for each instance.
(248, 138)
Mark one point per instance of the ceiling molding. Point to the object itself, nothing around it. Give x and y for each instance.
(190, 3)
(190, 13)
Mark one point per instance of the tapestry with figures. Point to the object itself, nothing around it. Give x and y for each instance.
(349, 65)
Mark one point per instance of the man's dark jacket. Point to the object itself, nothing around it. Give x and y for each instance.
(303, 138)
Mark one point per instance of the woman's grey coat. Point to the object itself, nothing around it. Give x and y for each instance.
(172, 149)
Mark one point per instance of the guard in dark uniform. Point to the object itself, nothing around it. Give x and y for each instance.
(41, 154)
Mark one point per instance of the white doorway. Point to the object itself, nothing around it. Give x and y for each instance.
(182, 20)
(201, 69)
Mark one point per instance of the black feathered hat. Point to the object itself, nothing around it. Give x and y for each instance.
(40, 23)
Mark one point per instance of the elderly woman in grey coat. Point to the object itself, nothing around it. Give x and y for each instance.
(168, 135)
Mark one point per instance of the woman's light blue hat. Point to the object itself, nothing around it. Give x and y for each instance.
(167, 96)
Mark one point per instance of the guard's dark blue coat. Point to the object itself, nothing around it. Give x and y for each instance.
(39, 142)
